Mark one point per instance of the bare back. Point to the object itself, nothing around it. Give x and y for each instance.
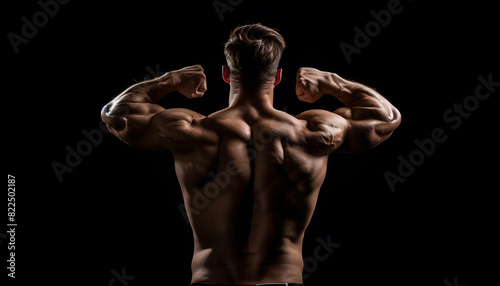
(250, 175)
(250, 195)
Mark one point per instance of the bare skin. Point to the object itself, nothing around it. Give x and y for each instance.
(250, 175)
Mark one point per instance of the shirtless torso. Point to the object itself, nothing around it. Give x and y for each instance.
(250, 215)
(250, 175)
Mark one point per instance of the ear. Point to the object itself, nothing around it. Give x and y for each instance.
(225, 74)
(277, 77)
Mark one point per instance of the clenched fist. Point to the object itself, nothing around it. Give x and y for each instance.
(312, 84)
(189, 81)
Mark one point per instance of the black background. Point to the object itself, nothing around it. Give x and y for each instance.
(118, 209)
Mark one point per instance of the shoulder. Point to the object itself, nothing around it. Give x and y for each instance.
(182, 130)
(324, 130)
(175, 114)
(318, 119)
(228, 124)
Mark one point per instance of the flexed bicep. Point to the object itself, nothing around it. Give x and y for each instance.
(131, 121)
(368, 117)
(134, 117)
(365, 128)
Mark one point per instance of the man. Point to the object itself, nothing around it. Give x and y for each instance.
(258, 170)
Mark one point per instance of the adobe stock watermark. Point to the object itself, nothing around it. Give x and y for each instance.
(91, 138)
(453, 118)
(223, 6)
(76, 153)
(153, 73)
(321, 253)
(122, 277)
(39, 19)
(201, 197)
(455, 282)
(371, 29)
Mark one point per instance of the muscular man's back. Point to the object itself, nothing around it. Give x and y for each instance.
(251, 201)
(250, 175)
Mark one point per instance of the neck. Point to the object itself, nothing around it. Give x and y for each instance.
(260, 97)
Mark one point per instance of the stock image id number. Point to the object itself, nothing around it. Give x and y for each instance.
(11, 205)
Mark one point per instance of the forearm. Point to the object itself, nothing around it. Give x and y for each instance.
(189, 81)
(137, 101)
(363, 102)
(150, 91)
(366, 120)
(371, 117)
(131, 115)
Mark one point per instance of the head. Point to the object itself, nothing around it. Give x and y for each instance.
(253, 53)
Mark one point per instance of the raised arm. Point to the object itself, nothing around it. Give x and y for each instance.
(366, 120)
(134, 116)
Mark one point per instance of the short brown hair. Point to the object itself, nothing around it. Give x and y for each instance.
(253, 52)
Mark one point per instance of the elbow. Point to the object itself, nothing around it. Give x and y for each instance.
(396, 119)
(105, 116)
(115, 122)
(385, 130)
(114, 115)
(376, 134)
(390, 122)
(396, 115)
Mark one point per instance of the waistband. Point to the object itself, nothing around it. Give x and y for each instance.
(264, 284)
